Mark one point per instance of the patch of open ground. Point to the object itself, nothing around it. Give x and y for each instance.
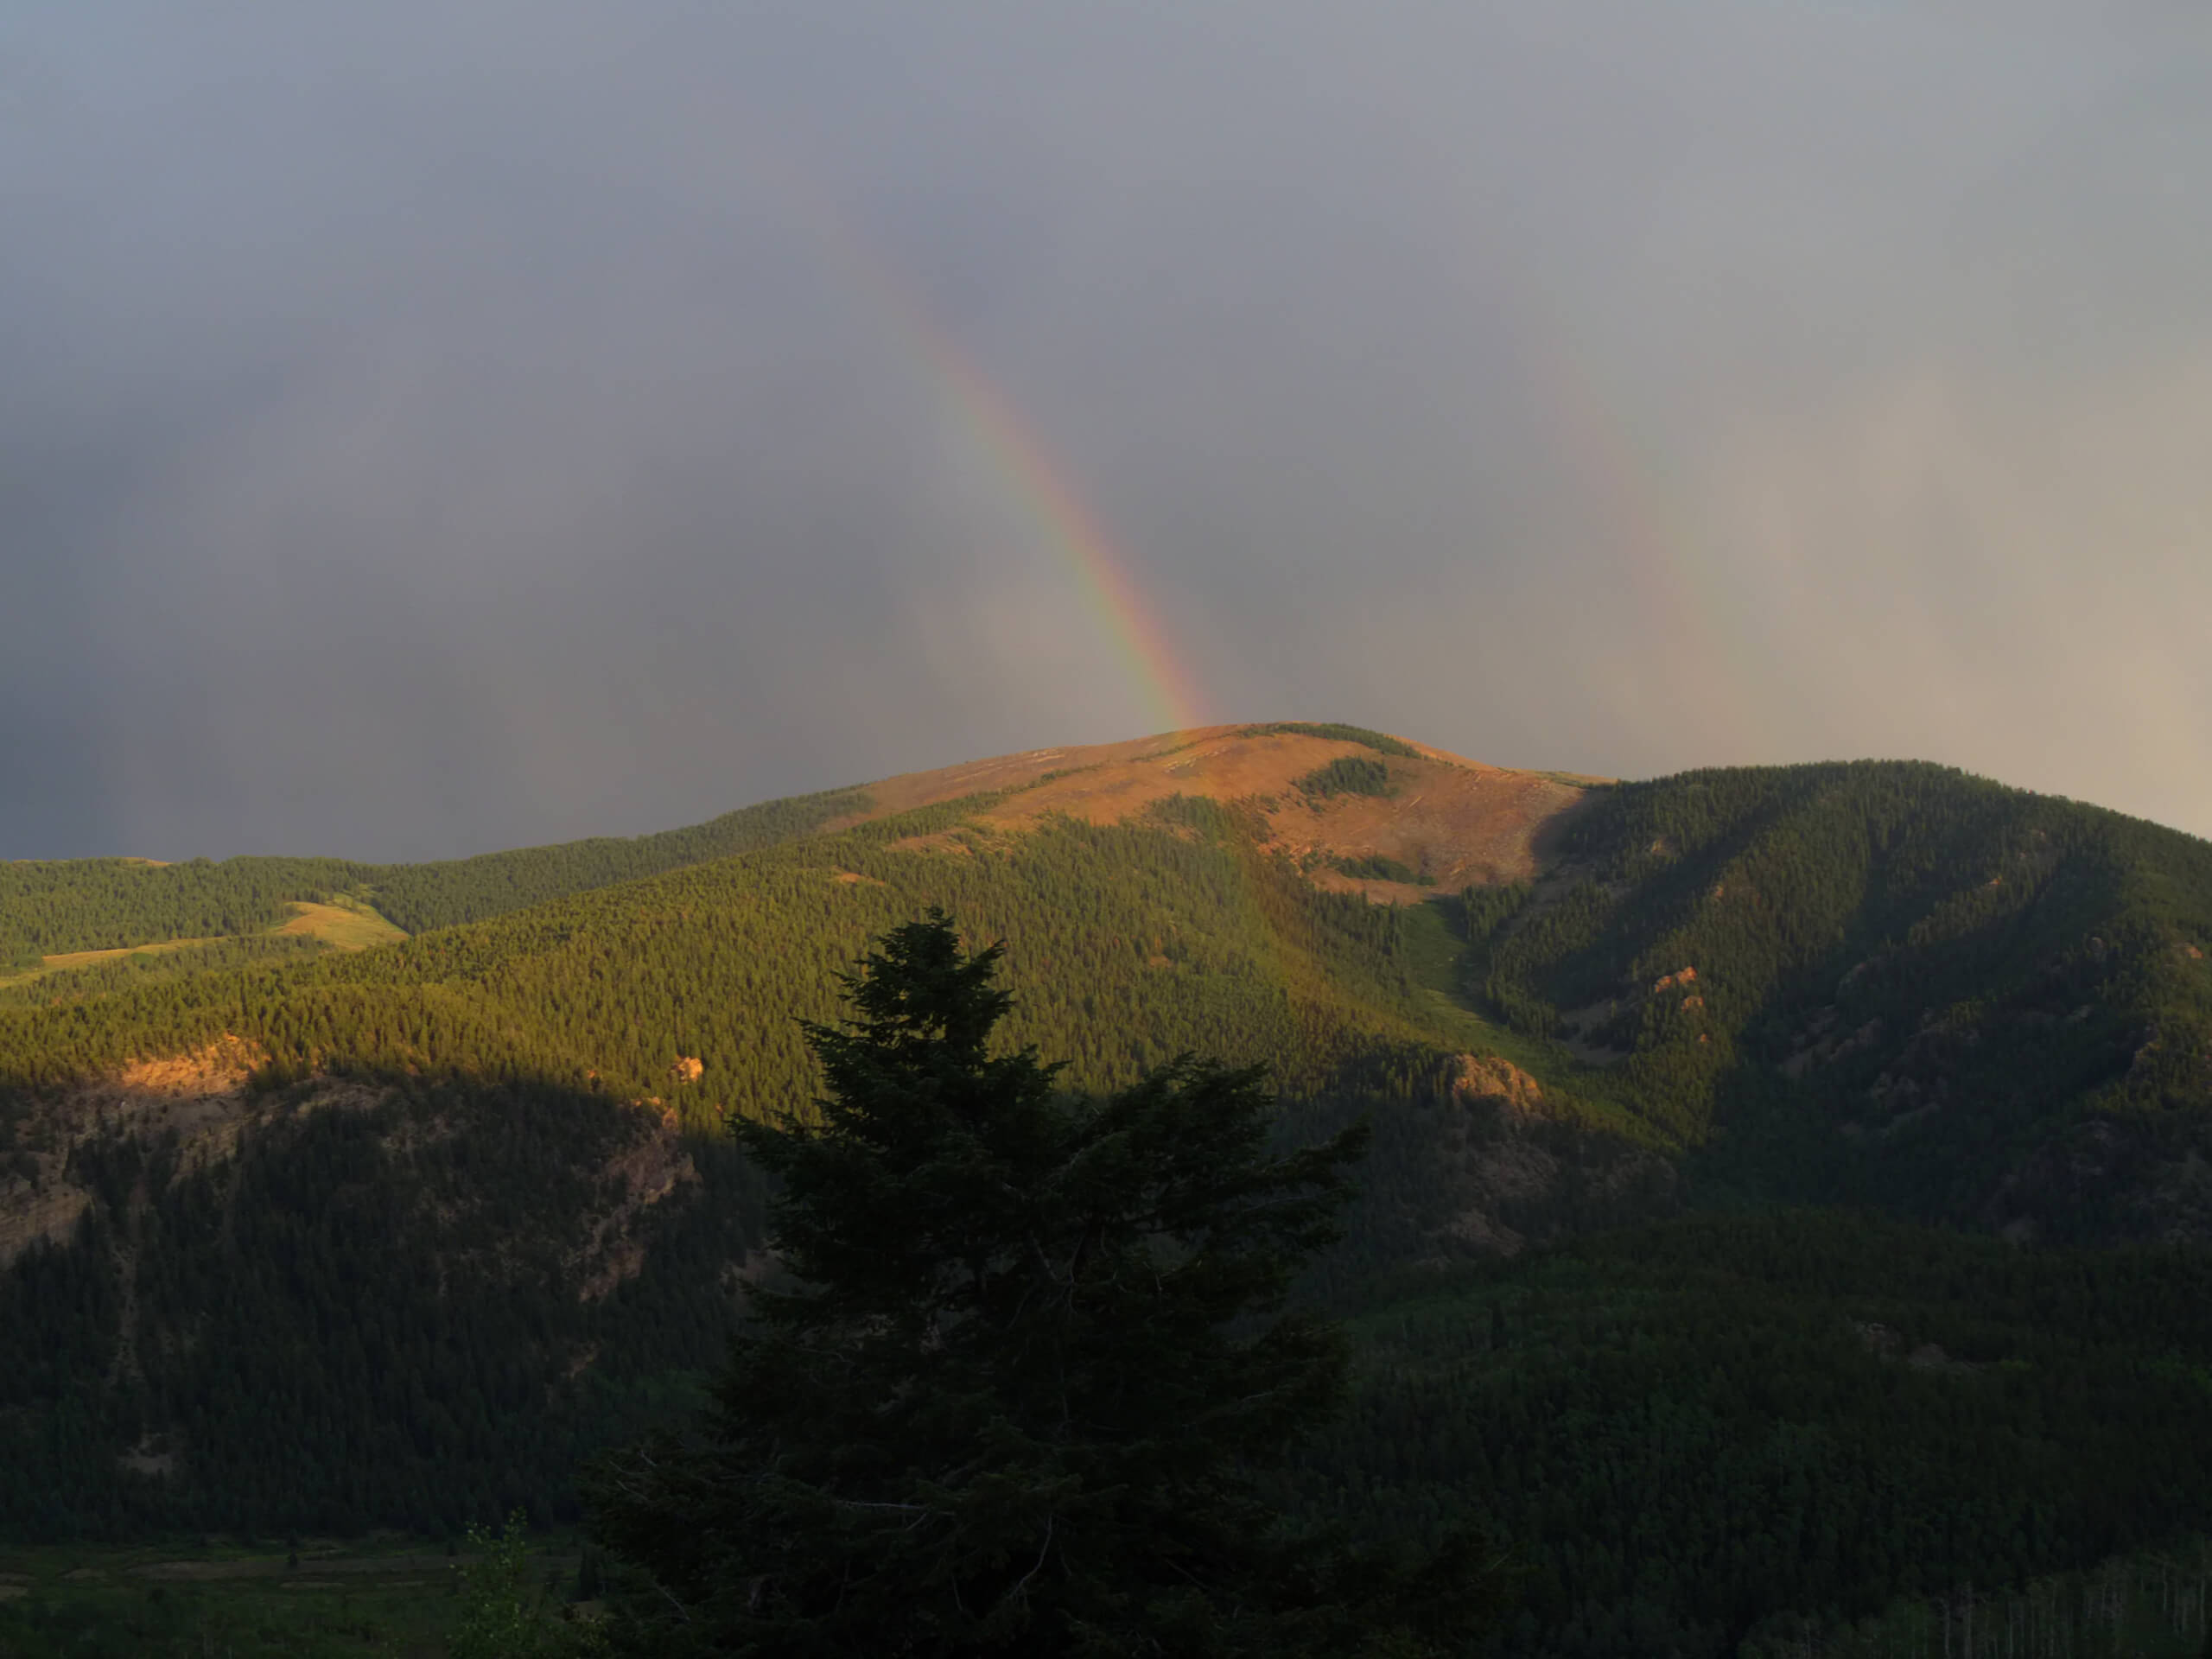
(913, 789)
(344, 923)
(86, 959)
(1457, 822)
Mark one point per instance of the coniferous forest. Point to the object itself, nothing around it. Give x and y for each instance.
(1788, 1208)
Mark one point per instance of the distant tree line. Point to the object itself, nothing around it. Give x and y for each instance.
(1352, 774)
(1336, 732)
(53, 908)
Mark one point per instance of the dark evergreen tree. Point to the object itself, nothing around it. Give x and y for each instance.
(1033, 1354)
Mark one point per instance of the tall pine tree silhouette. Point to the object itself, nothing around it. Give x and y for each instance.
(1033, 1351)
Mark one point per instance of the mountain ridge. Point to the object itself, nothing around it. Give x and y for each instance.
(302, 1239)
(1651, 955)
(53, 906)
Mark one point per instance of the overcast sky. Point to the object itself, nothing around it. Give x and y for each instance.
(432, 427)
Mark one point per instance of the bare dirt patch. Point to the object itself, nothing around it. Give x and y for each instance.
(1458, 823)
(1117, 781)
(913, 789)
(219, 1069)
(1455, 821)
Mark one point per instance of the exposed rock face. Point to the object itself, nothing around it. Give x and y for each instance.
(1488, 1169)
(218, 1211)
(688, 1068)
(201, 1097)
(201, 1105)
(1492, 1078)
(640, 1178)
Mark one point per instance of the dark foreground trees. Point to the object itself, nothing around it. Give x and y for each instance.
(1034, 1352)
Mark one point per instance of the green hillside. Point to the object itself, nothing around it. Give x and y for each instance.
(389, 1280)
(1886, 983)
(54, 907)
(1133, 942)
(418, 897)
(471, 1215)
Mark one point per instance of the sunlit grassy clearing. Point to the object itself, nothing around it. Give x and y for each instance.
(88, 958)
(345, 923)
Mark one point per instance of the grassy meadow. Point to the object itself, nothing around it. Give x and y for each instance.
(391, 1597)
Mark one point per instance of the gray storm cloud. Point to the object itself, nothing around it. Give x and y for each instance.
(428, 427)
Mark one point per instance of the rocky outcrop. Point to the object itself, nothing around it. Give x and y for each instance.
(1493, 1079)
(614, 1249)
(1491, 1166)
(201, 1097)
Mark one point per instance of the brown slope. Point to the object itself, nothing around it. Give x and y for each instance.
(1457, 821)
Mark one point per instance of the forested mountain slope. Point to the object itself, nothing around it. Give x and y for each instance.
(465, 1190)
(349, 1154)
(1416, 818)
(53, 908)
(1884, 983)
(1694, 1431)
(1889, 983)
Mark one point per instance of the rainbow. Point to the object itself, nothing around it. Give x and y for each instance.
(1103, 574)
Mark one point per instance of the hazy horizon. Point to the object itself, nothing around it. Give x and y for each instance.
(432, 429)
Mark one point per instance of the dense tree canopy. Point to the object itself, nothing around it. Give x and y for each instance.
(1914, 993)
(53, 906)
(1035, 1349)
